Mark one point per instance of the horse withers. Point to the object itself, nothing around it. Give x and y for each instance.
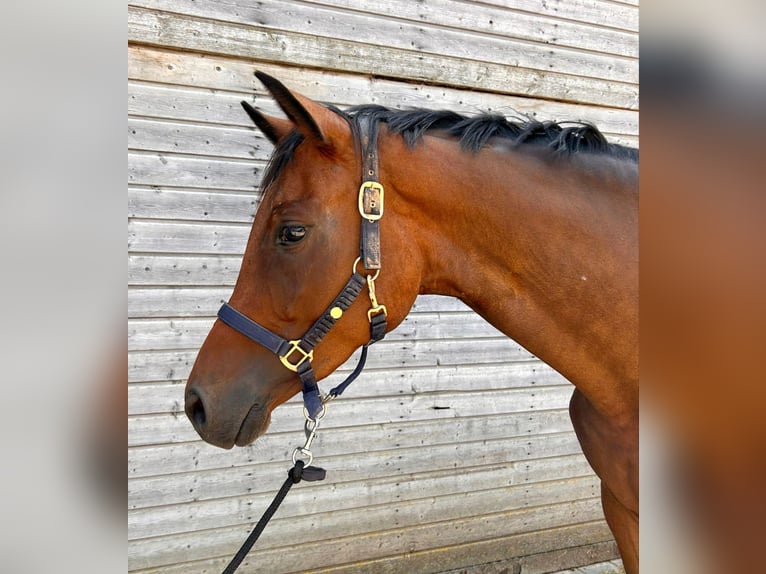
(533, 225)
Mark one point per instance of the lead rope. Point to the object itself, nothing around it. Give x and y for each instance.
(300, 471)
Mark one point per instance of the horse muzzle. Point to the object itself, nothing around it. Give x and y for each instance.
(233, 387)
(223, 427)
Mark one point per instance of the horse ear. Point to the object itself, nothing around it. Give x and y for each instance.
(306, 115)
(273, 128)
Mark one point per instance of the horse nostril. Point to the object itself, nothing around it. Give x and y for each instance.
(195, 409)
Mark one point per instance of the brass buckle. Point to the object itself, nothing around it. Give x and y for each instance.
(304, 356)
(371, 200)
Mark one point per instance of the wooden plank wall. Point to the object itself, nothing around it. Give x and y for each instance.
(454, 449)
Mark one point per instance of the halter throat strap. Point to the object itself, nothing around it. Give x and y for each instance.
(296, 355)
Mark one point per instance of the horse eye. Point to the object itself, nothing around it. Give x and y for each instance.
(291, 234)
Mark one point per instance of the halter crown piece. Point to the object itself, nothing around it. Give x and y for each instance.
(296, 355)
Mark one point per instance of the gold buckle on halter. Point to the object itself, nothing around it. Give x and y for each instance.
(304, 356)
(371, 200)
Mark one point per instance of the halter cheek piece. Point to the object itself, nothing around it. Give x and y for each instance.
(296, 355)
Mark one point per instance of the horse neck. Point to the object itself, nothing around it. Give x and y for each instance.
(544, 250)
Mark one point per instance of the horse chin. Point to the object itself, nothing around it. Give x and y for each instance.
(255, 423)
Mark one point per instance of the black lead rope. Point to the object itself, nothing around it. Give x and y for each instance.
(294, 476)
(300, 471)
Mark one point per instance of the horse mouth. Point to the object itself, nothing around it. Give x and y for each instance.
(254, 425)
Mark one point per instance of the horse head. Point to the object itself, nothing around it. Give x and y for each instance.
(303, 247)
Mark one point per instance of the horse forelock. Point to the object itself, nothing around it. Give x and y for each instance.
(285, 150)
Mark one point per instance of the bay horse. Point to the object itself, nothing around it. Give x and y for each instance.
(533, 225)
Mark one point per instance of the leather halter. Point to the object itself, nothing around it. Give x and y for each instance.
(296, 355)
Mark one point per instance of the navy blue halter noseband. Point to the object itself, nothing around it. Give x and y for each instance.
(296, 355)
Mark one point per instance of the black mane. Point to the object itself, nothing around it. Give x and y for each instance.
(475, 132)
(559, 139)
